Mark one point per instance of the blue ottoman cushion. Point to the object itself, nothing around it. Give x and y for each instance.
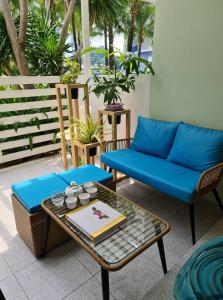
(196, 147)
(84, 174)
(154, 137)
(32, 192)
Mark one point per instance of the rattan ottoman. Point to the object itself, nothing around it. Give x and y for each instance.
(30, 224)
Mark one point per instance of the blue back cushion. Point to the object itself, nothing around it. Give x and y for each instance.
(154, 137)
(32, 192)
(196, 147)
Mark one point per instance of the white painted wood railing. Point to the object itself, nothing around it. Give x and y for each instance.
(20, 138)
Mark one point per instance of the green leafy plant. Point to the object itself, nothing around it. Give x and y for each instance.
(111, 87)
(88, 131)
(71, 71)
(123, 77)
(130, 63)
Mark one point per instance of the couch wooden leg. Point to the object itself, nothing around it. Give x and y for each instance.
(218, 199)
(192, 222)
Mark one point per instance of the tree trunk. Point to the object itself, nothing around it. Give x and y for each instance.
(64, 29)
(74, 32)
(17, 43)
(48, 7)
(140, 41)
(132, 25)
(111, 47)
(106, 43)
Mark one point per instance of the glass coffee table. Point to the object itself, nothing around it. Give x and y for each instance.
(143, 229)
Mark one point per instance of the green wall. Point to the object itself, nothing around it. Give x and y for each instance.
(188, 61)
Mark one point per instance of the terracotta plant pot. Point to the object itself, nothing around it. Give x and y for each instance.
(114, 107)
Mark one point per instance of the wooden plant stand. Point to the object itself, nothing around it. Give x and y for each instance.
(86, 148)
(114, 114)
(73, 112)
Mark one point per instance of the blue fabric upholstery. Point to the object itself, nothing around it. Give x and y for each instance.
(32, 192)
(154, 137)
(201, 277)
(86, 173)
(196, 147)
(172, 179)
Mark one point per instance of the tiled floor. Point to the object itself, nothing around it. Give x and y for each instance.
(68, 272)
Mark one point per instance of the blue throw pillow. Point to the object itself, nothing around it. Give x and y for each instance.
(196, 147)
(154, 137)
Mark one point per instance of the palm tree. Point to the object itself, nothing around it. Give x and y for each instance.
(103, 13)
(135, 6)
(144, 24)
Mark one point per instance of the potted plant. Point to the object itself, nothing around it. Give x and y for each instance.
(121, 79)
(88, 132)
(111, 88)
(71, 71)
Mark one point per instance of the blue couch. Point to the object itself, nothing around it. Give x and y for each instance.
(176, 158)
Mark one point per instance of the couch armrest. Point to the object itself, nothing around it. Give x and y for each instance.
(117, 144)
(210, 178)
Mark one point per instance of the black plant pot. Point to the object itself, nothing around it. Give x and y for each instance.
(118, 119)
(74, 93)
(93, 151)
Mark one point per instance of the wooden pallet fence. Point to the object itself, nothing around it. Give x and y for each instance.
(29, 139)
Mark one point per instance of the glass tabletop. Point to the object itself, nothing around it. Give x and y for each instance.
(142, 229)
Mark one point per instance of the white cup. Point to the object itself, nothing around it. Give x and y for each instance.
(71, 202)
(58, 200)
(88, 185)
(92, 191)
(79, 190)
(84, 198)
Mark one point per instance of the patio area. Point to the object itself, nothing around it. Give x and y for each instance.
(68, 272)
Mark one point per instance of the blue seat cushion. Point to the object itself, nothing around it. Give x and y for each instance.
(154, 137)
(172, 179)
(196, 147)
(32, 192)
(86, 173)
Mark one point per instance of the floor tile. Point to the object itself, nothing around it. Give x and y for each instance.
(17, 254)
(132, 281)
(11, 289)
(4, 269)
(163, 290)
(54, 277)
(81, 255)
(90, 290)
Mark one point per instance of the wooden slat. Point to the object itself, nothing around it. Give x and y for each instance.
(27, 93)
(25, 142)
(29, 105)
(27, 153)
(30, 129)
(10, 80)
(27, 118)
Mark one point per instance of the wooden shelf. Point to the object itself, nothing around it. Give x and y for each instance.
(73, 112)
